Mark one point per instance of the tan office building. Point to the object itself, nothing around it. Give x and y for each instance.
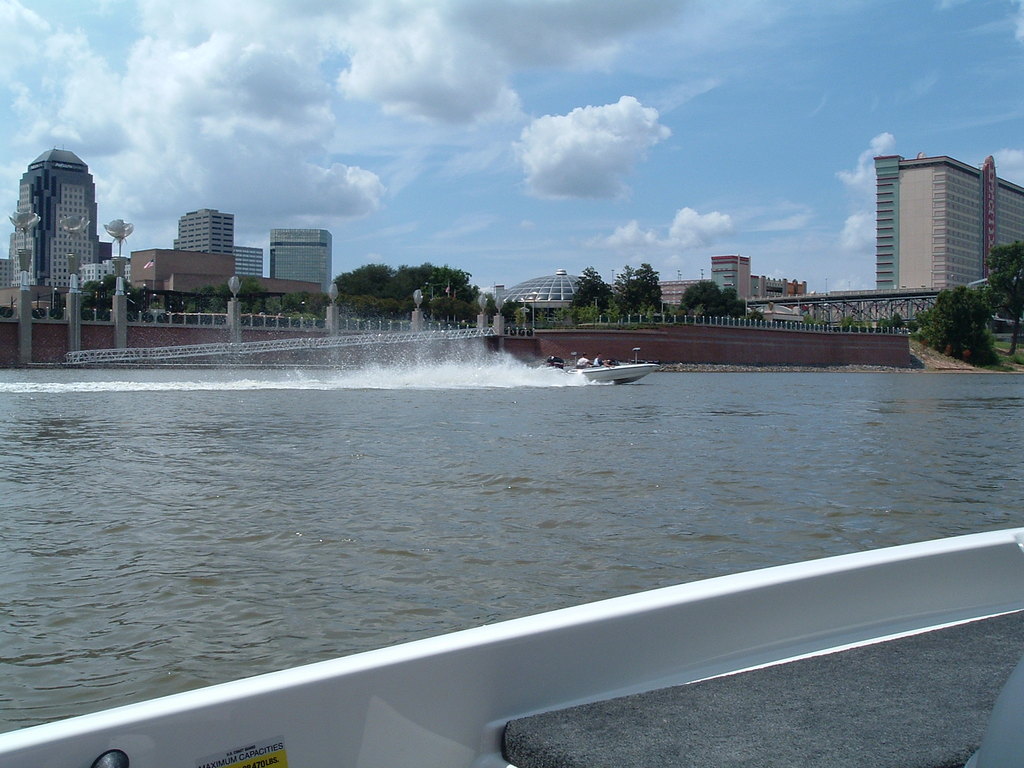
(937, 218)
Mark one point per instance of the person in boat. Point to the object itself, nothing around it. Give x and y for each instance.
(583, 362)
(556, 362)
(598, 360)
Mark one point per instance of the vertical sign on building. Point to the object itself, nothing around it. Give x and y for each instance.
(988, 185)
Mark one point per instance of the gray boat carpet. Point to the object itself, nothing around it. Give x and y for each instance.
(916, 702)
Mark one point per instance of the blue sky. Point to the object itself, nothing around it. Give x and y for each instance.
(510, 138)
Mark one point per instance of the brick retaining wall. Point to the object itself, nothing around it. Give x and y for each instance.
(721, 345)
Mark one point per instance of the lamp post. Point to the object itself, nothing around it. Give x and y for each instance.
(119, 229)
(481, 319)
(417, 313)
(234, 310)
(23, 222)
(332, 309)
(74, 225)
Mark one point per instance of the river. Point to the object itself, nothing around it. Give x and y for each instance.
(166, 529)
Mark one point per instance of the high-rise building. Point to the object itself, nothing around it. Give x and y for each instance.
(56, 184)
(301, 254)
(248, 261)
(732, 271)
(937, 218)
(206, 231)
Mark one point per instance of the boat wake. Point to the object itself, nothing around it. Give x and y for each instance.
(487, 373)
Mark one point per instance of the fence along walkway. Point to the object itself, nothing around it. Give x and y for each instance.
(228, 349)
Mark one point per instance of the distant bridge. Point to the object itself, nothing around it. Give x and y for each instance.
(868, 305)
(229, 349)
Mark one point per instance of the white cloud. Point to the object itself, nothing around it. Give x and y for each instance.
(409, 60)
(696, 230)
(629, 237)
(20, 33)
(235, 116)
(861, 180)
(689, 230)
(858, 234)
(451, 62)
(586, 153)
(1010, 164)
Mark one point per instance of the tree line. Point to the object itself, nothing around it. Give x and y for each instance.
(379, 290)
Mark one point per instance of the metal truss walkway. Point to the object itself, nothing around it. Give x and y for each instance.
(228, 349)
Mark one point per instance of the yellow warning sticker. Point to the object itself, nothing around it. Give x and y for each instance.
(262, 754)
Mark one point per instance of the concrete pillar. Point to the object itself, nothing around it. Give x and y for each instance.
(235, 320)
(119, 312)
(74, 310)
(499, 325)
(333, 320)
(73, 307)
(481, 320)
(24, 322)
(417, 320)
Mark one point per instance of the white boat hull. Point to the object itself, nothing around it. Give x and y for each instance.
(616, 374)
(444, 701)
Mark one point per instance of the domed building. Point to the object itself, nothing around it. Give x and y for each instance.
(548, 292)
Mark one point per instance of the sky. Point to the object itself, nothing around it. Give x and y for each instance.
(511, 138)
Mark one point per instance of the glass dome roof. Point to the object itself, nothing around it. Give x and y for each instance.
(551, 290)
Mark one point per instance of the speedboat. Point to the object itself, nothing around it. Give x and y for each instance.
(623, 373)
(887, 657)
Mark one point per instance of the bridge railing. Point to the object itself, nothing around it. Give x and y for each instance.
(626, 321)
(228, 350)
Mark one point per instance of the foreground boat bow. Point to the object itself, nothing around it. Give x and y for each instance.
(445, 701)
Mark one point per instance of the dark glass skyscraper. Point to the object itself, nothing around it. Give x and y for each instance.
(57, 184)
(301, 254)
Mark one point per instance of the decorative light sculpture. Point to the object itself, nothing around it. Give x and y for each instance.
(74, 224)
(119, 230)
(23, 222)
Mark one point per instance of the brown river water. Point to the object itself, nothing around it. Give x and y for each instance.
(162, 530)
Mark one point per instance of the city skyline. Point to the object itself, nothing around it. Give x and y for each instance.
(516, 137)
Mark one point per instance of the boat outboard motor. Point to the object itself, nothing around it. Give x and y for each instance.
(1003, 743)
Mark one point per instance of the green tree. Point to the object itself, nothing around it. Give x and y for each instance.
(407, 279)
(250, 293)
(452, 283)
(592, 291)
(637, 289)
(707, 299)
(367, 280)
(99, 294)
(1006, 283)
(958, 325)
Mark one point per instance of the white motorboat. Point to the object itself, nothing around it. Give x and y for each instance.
(448, 701)
(624, 373)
